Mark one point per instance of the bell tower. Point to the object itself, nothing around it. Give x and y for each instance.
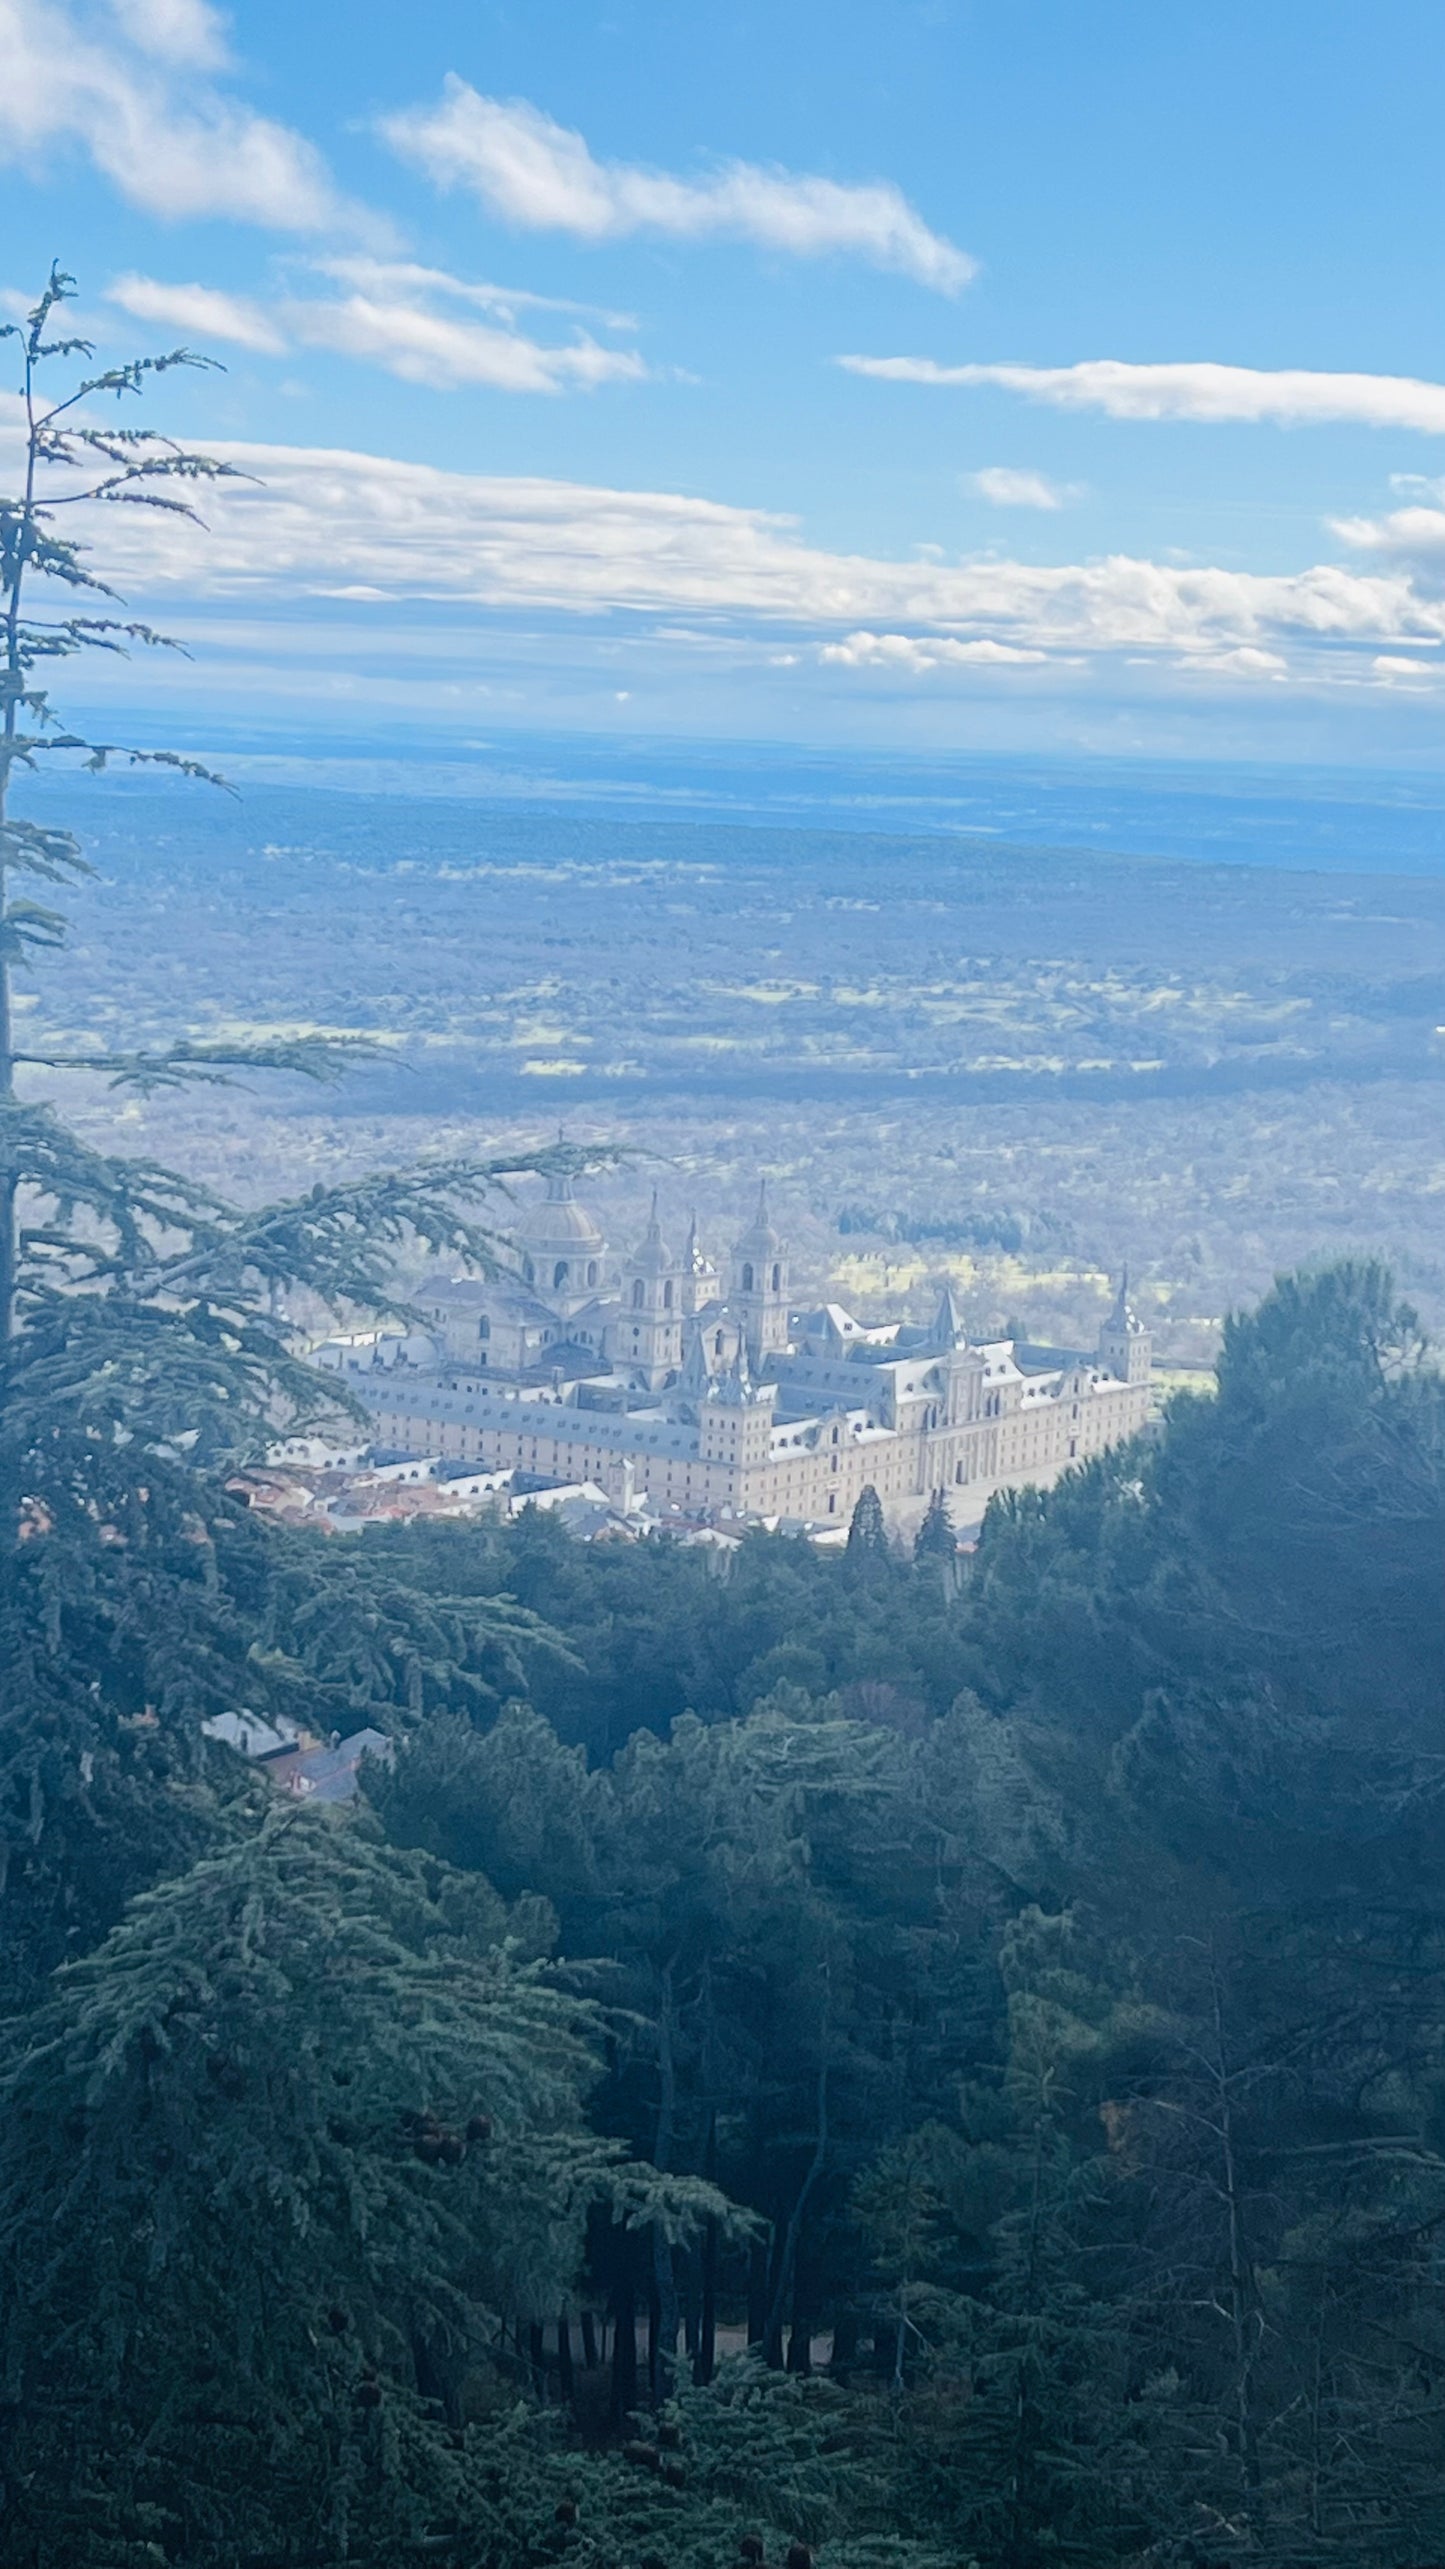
(648, 1328)
(1124, 1345)
(699, 1275)
(760, 1286)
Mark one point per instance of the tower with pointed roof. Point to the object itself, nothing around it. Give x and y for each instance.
(759, 1296)
(735, 1421)
(1124, 1345)
(647, 1333)
(960, 1366)
(699, 1286)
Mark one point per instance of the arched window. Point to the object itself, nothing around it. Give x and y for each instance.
(717, 1344)
(835, 1435)
(592, 1271)
(747, 1278)
(484, 1327)
(529, 1271)
(559, 1274)
(777, 1279)
(667, 1298)
(637, 1295)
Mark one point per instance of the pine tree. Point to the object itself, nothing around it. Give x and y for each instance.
(286, 2157)
(867, 1533)
(935, 1539)
(141, 1353)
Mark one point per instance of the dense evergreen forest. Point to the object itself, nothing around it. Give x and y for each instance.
(906, 2062)
(934, 2062)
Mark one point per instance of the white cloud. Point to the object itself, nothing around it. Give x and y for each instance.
(1410, 534)
(127, 86)
(1246, 661)
(403, 276)
(1289, 397)
(329, 524)
(1005, 486)
(395, 327)
(914, 653)
(187, 33)
(425, 347)
(202, 311)
(1387, 665)
(541, 176)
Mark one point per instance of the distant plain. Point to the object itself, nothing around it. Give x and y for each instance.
(1022, 1038)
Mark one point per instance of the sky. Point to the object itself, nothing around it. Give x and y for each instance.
(978, 375)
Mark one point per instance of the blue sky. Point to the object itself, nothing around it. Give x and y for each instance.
(955, 375)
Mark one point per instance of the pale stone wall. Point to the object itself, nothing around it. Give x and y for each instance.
(1031, 1440)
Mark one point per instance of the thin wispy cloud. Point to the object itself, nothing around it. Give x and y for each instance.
(540, 176)
(422, 346)
(132, 85)
(1289, 397)
(198, 312)
(405, 276)
(390, 319)
(1008, 486)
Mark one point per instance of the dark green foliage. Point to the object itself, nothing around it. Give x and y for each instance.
(238, 2189)
(935, 1539)
(1072, 2031)
(867, 1534)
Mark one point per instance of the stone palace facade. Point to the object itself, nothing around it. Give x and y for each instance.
(714, 1397)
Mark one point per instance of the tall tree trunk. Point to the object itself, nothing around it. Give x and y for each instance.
(1244, 2313)
(624, 2334)
(664, 2314)
(846, 2334)
(705, 2359)
(758, 2295)
(566, 2379)
(788, 2259)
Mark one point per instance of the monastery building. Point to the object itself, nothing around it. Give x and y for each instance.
(715, 1396)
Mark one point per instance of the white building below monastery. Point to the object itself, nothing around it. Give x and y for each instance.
(652, 1378)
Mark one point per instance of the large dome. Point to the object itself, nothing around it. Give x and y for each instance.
(560, 1224)
(562, 1248)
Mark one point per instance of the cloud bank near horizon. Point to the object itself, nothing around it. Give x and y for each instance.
(365, 532)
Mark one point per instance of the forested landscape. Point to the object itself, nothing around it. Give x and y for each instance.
(890, 2061)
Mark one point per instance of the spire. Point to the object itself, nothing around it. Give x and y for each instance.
(652, 1255)
(760, 1240)
(1121, 1317)
(949, 1327)
(735, 1388)
(694, 1380)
